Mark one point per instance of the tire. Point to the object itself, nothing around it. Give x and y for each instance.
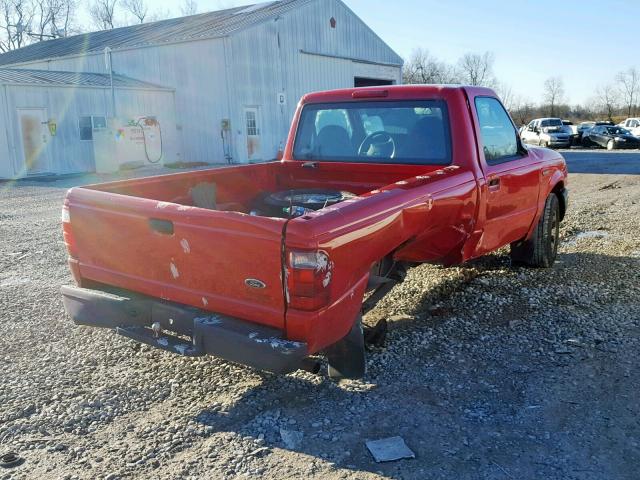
(541, 250)
(346, 357)
(611, 145)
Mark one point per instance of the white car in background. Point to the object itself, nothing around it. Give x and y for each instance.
(546, 132)
(631, 124)
(572, 131)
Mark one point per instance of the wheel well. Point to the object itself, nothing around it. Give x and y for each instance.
(557, 190)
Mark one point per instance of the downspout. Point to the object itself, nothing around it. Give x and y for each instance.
(108, 65)
(229, 70)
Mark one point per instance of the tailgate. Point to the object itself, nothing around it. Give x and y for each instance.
(225, 262)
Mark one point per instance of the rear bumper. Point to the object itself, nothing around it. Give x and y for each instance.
(209, 333)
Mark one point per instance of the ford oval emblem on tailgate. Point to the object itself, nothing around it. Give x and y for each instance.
(254, 283)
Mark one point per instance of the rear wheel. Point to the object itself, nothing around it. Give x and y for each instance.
(542, 248)
(346, 358)
(611, 145)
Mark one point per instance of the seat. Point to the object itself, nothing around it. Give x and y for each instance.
(333, 141)
(426, 140)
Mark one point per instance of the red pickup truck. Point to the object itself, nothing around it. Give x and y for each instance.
(268, 264)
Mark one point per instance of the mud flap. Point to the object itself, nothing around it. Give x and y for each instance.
(347, 357)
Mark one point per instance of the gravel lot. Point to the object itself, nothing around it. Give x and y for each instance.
(489, 372)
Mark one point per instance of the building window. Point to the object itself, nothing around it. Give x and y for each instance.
(87, 124)
(252, 123)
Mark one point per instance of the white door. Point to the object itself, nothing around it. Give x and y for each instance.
(34, 136)
(252, 128)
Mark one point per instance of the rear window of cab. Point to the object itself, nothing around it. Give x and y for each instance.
(403, 132)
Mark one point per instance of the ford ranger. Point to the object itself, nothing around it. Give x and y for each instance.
(270, 265)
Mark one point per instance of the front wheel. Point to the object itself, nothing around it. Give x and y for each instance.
(346, 358)
(611, 145)
(541, 249)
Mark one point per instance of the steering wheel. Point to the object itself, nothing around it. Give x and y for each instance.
(378, 144)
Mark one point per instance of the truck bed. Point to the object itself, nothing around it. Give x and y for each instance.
(189, 237)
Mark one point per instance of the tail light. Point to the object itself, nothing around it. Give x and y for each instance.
(308, 279)
(67, 232)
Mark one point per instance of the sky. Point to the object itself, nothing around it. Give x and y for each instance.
(531, 40)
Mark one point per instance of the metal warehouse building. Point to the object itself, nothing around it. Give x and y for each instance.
(216, 87)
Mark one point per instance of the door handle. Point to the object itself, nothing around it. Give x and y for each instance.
(494, 184)
(165, 227)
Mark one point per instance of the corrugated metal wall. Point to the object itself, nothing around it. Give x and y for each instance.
(269, 56)
(217, 78)
(65, 152)
(6, 159)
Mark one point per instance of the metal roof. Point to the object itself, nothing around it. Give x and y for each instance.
(193, 27)
(52, 77)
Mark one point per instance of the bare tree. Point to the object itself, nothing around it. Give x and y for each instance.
(553, 93)
(422, 67)
(608, 98)
(15, 24)
(52, 19)
(476, 69)
(137, 8)
(188, 7)
(629, 81)
(102, 13)
(505, 92)
(63, 19)
(522, 110)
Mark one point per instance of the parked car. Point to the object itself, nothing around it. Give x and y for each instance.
(583, 127)
(611, 137)
(546, 132)
(571, 130)
(266, 264)
(633, 125)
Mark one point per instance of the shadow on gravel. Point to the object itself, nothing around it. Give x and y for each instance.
(546, 397)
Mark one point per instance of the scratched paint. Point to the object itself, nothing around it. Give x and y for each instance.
(205, 302)
(161, 205)
(327, 279)
(322, 261)
(163, 341)
(275, 342)
(184, 243)
(182, 348)
(210, 320)
(174, 270)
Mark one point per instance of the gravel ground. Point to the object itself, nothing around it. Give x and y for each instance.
(489, 371)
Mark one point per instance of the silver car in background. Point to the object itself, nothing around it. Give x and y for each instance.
(546, 132)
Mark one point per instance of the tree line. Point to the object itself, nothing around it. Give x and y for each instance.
(23, 22)
(615, 100)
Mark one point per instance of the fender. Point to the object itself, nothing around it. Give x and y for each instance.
(556, 176)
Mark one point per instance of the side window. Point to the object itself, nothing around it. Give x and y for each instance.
(496, 129)
(86, 131)
(87, 124)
